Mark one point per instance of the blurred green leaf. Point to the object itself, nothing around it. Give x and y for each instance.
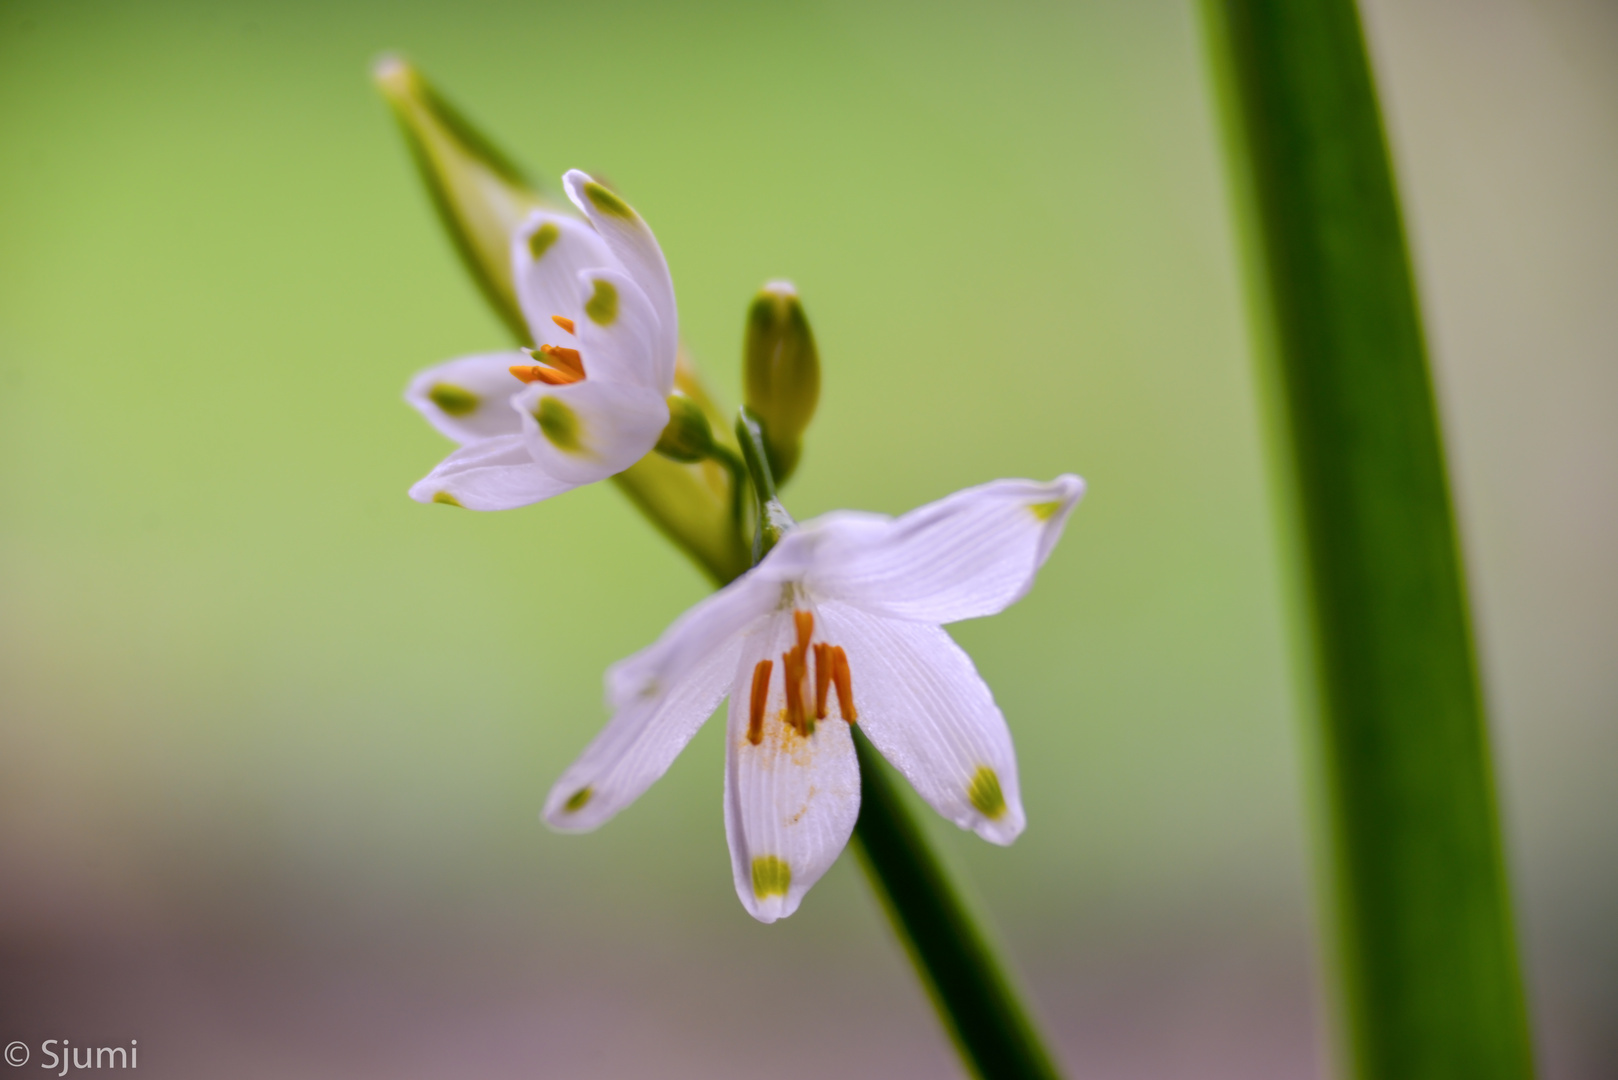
(1427, 963)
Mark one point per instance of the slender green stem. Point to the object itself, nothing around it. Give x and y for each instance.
(1427, 975)
(773, 519)
(965, 978)
(737, 468)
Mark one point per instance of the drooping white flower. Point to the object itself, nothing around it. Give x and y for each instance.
(839, 624)
(600, 306)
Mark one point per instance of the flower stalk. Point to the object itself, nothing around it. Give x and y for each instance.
(772, 518)
(1425, 961)
(968, 983)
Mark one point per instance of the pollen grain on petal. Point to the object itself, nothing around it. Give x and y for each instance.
(772, 876)
(565, 323)
(843, 680)
(985, 794)
(761, 695)
(823, 672)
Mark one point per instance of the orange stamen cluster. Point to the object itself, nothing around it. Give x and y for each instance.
(563, 366)
(800, 713)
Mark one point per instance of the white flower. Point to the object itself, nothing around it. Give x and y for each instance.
(840, 623)
(600, 306)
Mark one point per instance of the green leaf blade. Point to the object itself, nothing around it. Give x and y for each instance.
(1425, 951)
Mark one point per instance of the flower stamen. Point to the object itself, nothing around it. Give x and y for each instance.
(844, 681)
(564, 322)
(565, 359)
(805, 623)
(823, 667)
(566, 366)
(532, 373)
(795, 670)
(761, 694)
(792, 671)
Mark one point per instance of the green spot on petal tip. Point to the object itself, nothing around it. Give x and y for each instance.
(560, 424)
(985, 793)
(446, 499)
(452, 399)
(541, 239)
(1044, 511)
(771, 876)
(577, 800)
(604, 200)
(602, 307)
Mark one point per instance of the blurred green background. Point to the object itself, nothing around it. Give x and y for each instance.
(273, 738)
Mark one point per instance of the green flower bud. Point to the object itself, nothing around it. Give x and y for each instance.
(481, 196)
(781, 374)
(688, 436)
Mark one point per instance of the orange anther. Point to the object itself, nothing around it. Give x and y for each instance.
(844, 682)
(532, 373)
(823, 666)
(566, 359)
(564, 322)
(761, 694)
(805, 623)
(792, 673)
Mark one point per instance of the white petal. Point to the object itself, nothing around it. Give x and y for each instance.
(495, 474)
(618, 332)
(587, 431)
(639, 743)
(702, 629)
(469, 399)
(791, 801)
(970, 554)
(659, 699)
(549, 284)
(930, 713)
(631, 240)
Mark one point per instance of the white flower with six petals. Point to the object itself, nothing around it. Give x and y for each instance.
(599, 303)
(845, 612)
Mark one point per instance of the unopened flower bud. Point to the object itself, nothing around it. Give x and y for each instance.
(781, 373)
(688, 436)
